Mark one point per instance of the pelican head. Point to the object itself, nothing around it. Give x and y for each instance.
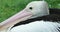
(37, 8)
(32, 10)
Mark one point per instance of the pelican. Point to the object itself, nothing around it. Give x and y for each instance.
(35, 17)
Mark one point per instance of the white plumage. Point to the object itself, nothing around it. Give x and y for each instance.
(38, 26)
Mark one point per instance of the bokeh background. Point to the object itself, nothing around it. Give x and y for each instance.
(11, 7)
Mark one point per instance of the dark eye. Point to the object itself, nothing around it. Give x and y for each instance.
(30, 8)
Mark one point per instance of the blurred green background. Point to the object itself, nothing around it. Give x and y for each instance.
(11, 7)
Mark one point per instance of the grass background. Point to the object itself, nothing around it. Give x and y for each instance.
(11, 7)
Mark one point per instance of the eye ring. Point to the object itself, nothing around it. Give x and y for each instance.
(30, 8)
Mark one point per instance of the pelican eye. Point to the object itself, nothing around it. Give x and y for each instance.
(30, 8)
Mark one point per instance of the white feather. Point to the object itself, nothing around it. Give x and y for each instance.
(38, 26)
